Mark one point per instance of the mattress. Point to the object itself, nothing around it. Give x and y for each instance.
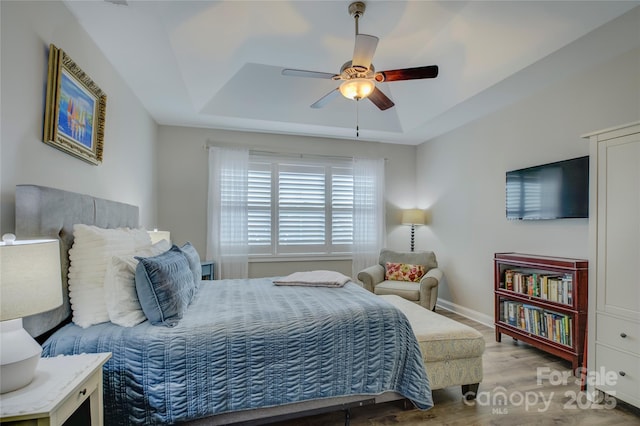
(248, 344)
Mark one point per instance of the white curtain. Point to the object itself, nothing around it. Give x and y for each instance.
(227, 240)
(369, 229)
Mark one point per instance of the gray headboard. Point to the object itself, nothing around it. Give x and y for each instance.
(50, 212)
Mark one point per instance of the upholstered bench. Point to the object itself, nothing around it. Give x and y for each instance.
(452, 352)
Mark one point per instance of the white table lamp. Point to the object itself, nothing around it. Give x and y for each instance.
(30, 283)
(159, 236)
(413, 217)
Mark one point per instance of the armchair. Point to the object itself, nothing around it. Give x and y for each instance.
(424, 292)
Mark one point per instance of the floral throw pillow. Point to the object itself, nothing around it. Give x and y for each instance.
(404, 272)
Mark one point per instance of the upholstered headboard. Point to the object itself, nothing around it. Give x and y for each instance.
(50, 212)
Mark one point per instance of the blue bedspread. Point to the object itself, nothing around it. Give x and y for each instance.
(248, 344)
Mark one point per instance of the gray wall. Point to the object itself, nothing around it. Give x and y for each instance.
(183, 174)
(128, 171)
(462, 173)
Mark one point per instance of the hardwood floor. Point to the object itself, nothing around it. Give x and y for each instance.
(510, 369)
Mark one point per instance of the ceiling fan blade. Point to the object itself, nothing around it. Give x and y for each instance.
(380, 100)
(364, 49)
(430, 71)
(325, 99)
(302, 73)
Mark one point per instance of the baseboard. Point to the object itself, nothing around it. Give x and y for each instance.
(466, 312)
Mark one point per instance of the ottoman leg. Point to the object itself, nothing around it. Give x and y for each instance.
(469, 391)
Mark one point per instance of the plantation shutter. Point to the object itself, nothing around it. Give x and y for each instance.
(300, 206)
(259, 212)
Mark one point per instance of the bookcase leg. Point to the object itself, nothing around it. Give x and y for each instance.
(498, 336)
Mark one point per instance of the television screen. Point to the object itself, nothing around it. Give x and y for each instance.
(557, 190)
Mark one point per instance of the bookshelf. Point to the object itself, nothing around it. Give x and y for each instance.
(542, 300)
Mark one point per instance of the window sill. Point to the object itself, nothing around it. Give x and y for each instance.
(299, 258)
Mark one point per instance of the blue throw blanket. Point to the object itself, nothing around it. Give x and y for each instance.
(246, 344)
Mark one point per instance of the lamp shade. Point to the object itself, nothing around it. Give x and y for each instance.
(159, 236)
(30, 279)
(413, 217)
(357, 88)
(30, 283)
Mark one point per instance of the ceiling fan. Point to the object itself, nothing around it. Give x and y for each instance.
(358, 75)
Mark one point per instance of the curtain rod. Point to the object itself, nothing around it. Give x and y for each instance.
(258, 150)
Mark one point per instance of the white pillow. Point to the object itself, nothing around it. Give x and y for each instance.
(121, 298)
(92, 249)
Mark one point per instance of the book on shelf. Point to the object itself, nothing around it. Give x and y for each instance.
(508, 279)
(539, 321)
(567, 289)
(512, 312)
(553, 287)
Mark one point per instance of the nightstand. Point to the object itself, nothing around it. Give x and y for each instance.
(60, 386)
(208, 270)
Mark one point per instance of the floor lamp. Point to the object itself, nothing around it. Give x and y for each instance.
(413, 217)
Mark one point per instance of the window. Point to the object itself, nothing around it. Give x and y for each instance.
(299, 206)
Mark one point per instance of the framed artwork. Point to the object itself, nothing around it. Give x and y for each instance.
(75, 109)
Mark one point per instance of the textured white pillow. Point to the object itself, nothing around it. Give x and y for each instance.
(92, 249)
(121, 298)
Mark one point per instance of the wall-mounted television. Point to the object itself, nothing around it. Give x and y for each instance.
(557, 190)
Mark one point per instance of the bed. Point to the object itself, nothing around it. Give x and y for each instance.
(244, 349)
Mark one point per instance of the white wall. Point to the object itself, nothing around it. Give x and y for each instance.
(459, 175)
(183, 174)
(463, 172)
(127, 173)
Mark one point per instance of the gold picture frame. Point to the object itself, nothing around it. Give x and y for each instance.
(75, 109)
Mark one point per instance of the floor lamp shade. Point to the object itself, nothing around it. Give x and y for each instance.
(413, 217)
(30, 283)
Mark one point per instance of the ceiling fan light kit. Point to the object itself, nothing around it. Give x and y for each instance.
(357, 88)
(358, 76)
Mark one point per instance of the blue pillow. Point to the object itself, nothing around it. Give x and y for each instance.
(165, 286)
(194, 261)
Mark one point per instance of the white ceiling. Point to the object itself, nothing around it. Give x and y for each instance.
(218, 64)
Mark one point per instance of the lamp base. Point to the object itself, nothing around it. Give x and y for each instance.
(19, 356)
(413, 233)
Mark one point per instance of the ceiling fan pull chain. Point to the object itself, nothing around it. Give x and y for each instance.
(357, 119)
